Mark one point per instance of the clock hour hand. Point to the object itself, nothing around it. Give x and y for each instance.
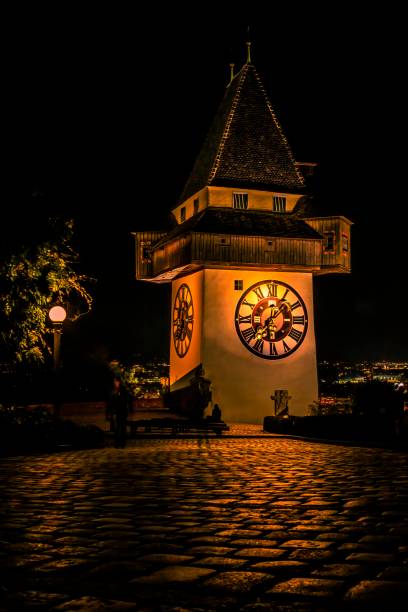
(261, 332)
(268, 331)
(276, 311)
(272, 329)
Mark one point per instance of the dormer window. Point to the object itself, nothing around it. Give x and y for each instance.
(240, 201)
(196, 205)
(279, 204)
(183, 214)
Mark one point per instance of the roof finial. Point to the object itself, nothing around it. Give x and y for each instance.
(248, 44)
(231, 73)
(248, 52)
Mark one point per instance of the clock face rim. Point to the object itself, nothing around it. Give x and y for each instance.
(238, 330)
(190, 303)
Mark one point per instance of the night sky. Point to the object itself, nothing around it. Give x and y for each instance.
(107, 112)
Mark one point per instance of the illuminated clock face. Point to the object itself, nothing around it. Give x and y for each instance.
(271, 319)
(183, 317)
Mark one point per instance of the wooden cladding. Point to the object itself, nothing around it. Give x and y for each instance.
(172, 254)
(144, 242)
(200, 248)
(215, 249)
(336, 244)
(256, 250)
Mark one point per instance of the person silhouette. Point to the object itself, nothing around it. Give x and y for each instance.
(117, 410)
(216, 414)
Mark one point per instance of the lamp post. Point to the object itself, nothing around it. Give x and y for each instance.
(57, 316)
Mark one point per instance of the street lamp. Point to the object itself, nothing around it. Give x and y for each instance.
(57, 316)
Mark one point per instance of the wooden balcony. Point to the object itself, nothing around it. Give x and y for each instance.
(161, 260)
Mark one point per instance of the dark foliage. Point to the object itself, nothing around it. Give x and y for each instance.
(379, 430)
(34, 277)
(28, 431)
(377, 397)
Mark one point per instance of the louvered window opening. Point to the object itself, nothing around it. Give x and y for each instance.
(345, 243)
(328, 245)
(240, 200)
(279, 204)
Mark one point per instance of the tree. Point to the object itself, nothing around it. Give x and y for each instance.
(377, 397)
(31, 280)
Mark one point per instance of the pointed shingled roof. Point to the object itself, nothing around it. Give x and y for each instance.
(245, 147)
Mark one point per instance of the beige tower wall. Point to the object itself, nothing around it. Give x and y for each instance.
(179, 367)
(243, 383)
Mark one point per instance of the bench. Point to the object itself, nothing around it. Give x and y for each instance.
(176, 426)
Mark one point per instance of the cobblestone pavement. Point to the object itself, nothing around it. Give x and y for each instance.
(249, 524)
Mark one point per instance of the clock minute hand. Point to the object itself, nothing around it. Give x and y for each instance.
(279, 310)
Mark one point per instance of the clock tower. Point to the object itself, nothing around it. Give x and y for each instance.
(241, 258)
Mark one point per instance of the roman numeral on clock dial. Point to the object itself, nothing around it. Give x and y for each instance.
(245, 319)
(295, 334)
(272, 290)
(248, 333)
(252, 306)
(285, 347)
(258, 293)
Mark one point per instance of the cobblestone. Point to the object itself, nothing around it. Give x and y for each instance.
(230, 524)
(380, 594)
(237, 582)
(308, 587)
(176, 573)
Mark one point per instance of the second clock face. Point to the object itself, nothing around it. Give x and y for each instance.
(183, 318)
(271, 319)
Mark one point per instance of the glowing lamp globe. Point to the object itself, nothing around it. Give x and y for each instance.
(57, 314)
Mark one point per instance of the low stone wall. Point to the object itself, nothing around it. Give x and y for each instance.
(379, 429)
(94, 412)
